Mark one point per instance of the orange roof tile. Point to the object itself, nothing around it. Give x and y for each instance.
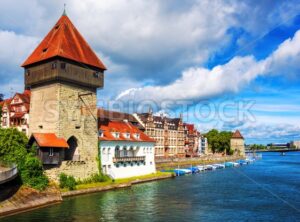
(65, 41)
(237, 135)
(49, 140)
(122, 127)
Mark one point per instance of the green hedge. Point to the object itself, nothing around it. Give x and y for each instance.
(13, 150)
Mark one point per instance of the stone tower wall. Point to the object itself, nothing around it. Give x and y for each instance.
(68, 111)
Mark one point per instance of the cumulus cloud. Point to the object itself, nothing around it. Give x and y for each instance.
(201, 83)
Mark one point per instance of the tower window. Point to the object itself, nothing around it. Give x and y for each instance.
(53, 65)
(96, 74)
(63, 65)
(27, 72)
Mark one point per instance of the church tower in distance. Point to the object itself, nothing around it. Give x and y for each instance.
(63, 74)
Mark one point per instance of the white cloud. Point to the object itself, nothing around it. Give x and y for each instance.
(200, 83)
(15, 48)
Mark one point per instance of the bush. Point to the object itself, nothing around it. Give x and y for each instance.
(32, 174)
(13, 151)
(94, 178)
(66, 181)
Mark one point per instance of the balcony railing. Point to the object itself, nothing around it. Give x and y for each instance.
(128, 159)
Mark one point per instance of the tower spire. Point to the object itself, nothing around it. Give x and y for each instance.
(65, 13)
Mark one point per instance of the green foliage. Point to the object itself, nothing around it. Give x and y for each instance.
(257, 147)
(66, 181)
(32, 174)
(219, 141)
(12, 145)
(13, 151)
(94, 178)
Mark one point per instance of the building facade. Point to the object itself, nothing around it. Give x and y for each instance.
(63, 74)
(15, 112)
(167, 132)
(237, 143)
(191, 140)
(125, 151)
(203, 145)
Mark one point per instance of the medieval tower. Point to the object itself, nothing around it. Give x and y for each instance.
(63, 74)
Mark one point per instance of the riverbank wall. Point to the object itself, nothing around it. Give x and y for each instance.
(187, 162)
(28, 199)
(113, 186)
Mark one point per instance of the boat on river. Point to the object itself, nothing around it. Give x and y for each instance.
(219, 166)
(194, 169)
(201, 168)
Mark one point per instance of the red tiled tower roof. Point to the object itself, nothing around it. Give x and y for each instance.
(65, 41)
(237, 135)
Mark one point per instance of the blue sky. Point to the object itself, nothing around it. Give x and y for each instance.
(217, 55)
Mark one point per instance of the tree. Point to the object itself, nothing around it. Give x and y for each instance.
(219, 141)
(1, 97)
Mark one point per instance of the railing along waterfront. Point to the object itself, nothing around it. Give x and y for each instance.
(128, 159)
(8, 174)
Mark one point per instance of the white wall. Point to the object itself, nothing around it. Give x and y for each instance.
(107, 153)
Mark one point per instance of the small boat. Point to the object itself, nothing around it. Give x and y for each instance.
(282, 153)
(219, 166)
(210, 167)
(229, 164)
(236, 164)
(179, 172)
(194, 169)
(187, 171)
(242, 162)
(201, 168)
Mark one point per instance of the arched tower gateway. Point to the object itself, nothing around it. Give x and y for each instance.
(63, 74)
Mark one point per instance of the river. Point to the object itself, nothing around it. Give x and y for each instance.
(267, 190)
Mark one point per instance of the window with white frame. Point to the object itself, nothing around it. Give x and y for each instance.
(51, 152)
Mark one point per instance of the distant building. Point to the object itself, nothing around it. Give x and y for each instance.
(203, 145)
(192, 137)
(15, 112)
(167, 132)
(125, 151)
(296, 144)
(237, 143)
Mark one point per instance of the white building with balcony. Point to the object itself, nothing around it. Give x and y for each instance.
(125, 151)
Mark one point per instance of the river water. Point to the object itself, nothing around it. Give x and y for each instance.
(267, 190)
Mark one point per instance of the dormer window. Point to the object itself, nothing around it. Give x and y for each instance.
(100, 133)
(116, 134)
(127, 135)
(137, 135)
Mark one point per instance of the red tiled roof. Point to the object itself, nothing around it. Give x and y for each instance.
(122, 127)
(7, 103)
(64, 41)
(237, 135)
(49, 140)
(190, 127)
